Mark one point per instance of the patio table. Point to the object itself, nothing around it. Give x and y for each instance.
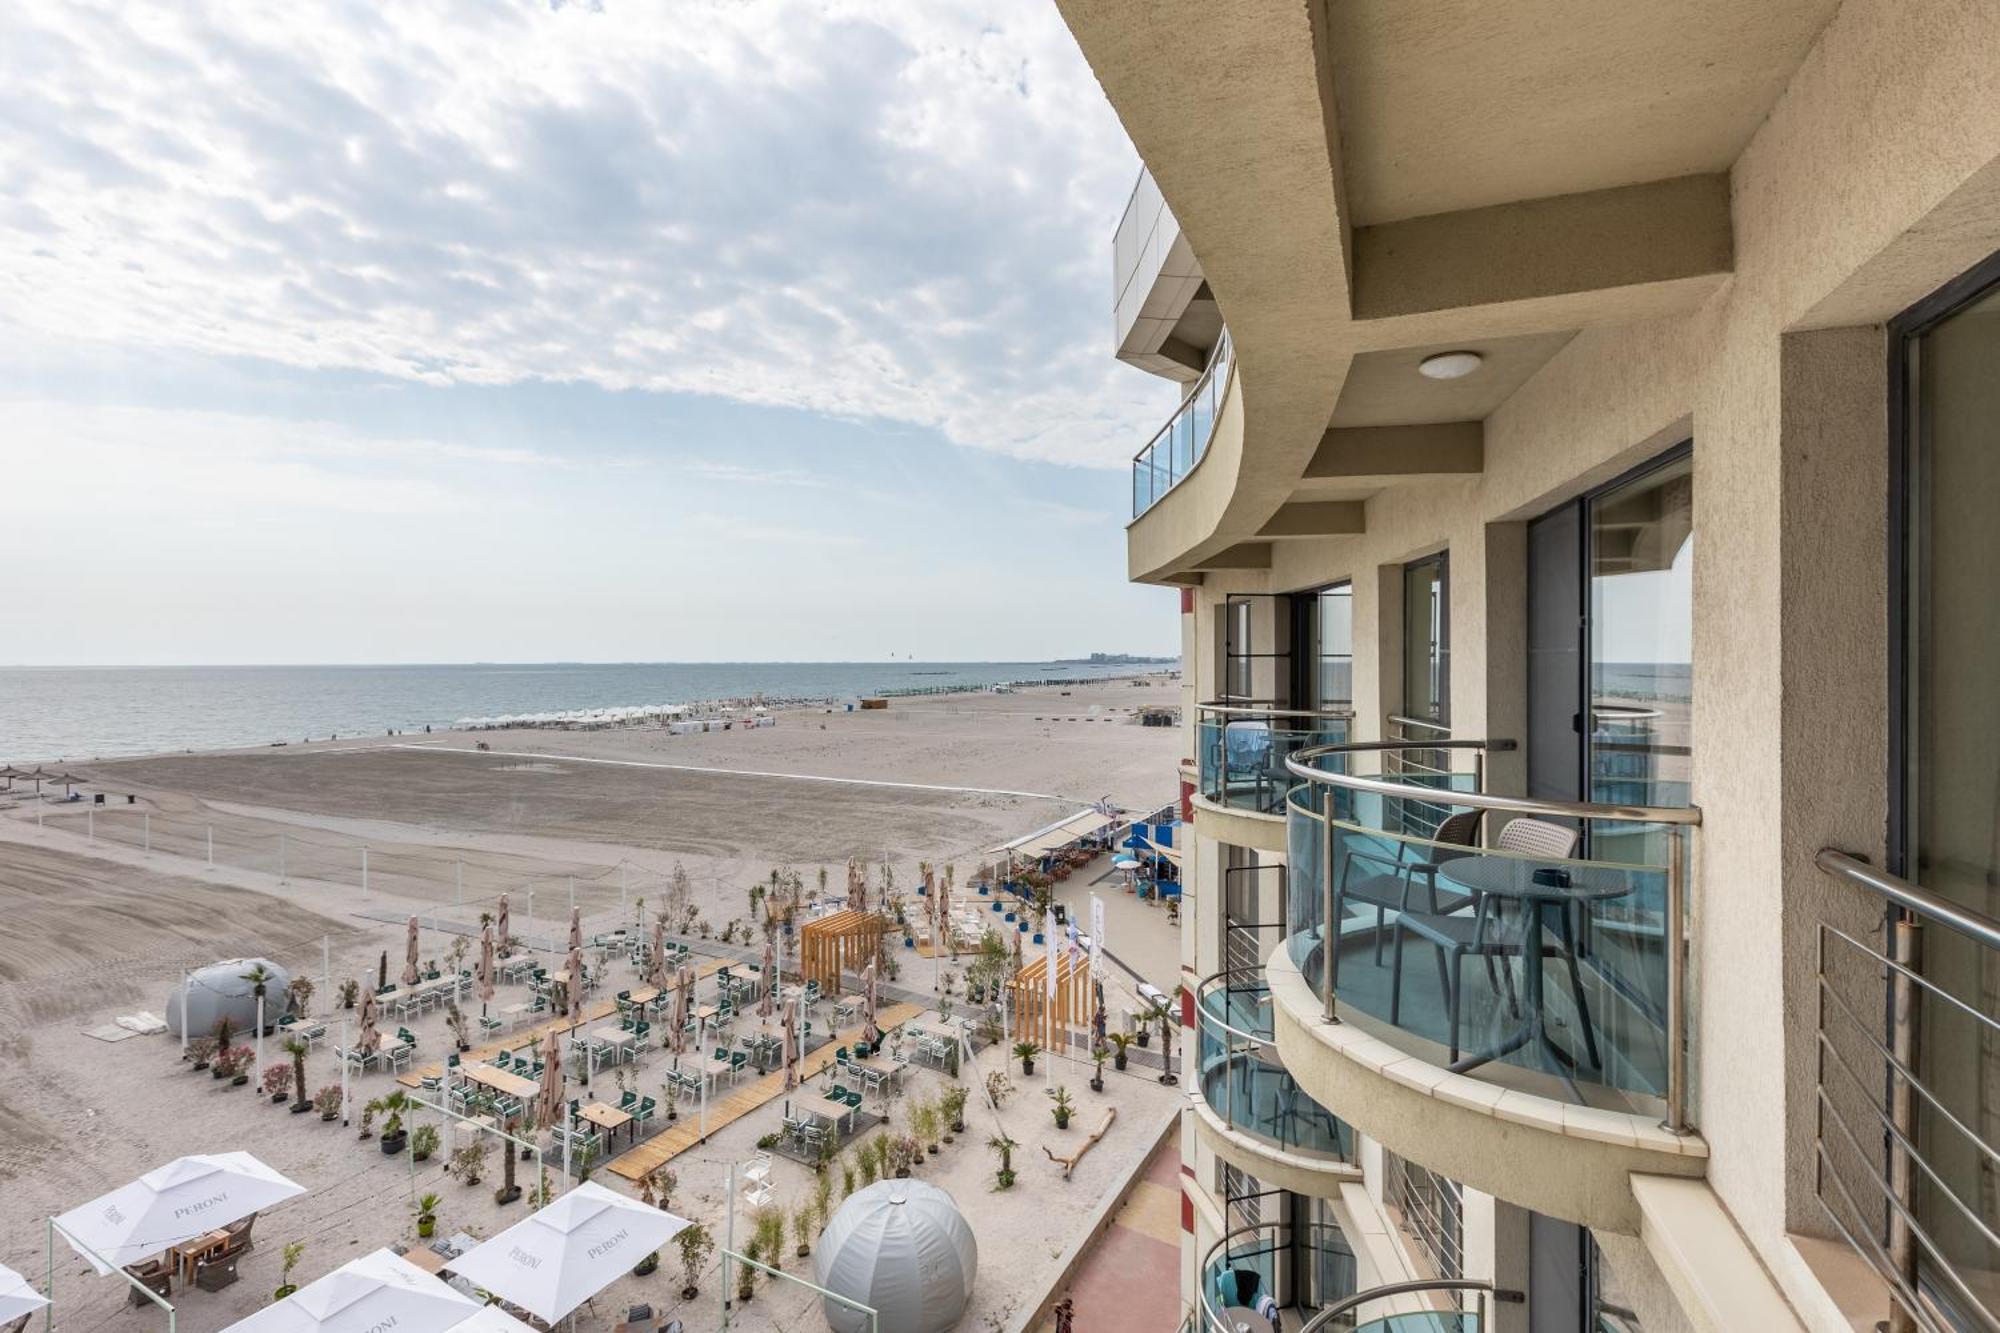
(607, 1118)
(1513, 878)
(514, 1085)
(824, 1107)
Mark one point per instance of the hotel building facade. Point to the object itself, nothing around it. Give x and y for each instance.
(1582, 494)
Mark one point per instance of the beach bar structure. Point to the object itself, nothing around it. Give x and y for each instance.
(837, 943)
(1047, 1019)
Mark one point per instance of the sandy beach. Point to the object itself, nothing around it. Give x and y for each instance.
(106, 905)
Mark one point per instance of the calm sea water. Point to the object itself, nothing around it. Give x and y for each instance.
(86, 712)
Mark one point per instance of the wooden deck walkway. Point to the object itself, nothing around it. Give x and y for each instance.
(741, 1101)
(593, 1012)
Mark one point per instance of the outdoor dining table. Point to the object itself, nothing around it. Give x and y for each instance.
(881, 1067)
(847, 1006)
(621, 1041)
(607, 1118)
(824, 1107)
(512, 969)
(500, 1080)
(190, 1253)
(644, 995)
(429, 1260)
(514, 1013)
(1516, 879)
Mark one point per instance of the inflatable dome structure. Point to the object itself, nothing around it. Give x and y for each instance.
(903, 1247)
(219, 990)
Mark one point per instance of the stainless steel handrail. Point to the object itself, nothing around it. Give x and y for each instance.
(1216, 357)
(1886, 1229)
(1268, 710)
(1201, 988)
(1429, 724)
(1973, 924)
(1302, 765)
(1488, 1292)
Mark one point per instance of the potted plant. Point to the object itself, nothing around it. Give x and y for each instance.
(327, 1102)
(1121, 1043)
(299, 992)
(670, 1094)
(1063, 1106)
(951, 1105)
(657, 1186)
(461, 1028)
(394, 1137)
(225, 1036)
(423, 1142)
(260, 979)
(297, 1050)
(998, 1087)
(276, 1082)
(200, 1051)
(805, 1225)
(906, 1153)
(746, 1274)
(1005, 1146)
(350, 991)
(508, 1191)
(427, 1221)
(647, 1266)
(770, 1224)
(924, 1125)
(1097, 1077)
(467, 1163)
(293, 1252)
(1027, 1051)
(696, 1247)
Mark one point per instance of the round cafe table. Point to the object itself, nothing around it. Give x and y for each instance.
(1242, 1319)
(1543, 908)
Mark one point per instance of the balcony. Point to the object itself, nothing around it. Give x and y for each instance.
(1244, 749)
(1255, 1115)
(1180, 445)
(1155, 278)
(1309, 1267)
(1521, 961)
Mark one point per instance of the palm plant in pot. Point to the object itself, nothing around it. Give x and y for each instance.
(1063, 1106)
(1027, 1051)
(1121, 1043)
(393, 1135)
(508, 1191)
(1097, 1077)
(297, 1050)
(1005, 1146)
(427, 1220)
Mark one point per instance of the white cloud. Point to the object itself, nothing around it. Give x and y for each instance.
(868, 209)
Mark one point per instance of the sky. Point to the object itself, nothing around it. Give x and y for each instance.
(436, 332)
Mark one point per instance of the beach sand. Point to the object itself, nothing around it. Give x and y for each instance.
(95, 931)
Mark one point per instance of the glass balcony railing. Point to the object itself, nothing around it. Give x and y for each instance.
(1243, 1080)
(1541, 944)
(1243, 750)
(1173, 452)
(1302, 1267)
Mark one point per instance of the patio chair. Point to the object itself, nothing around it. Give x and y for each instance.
(490, 1023)
(154, 1276)
(1455, 936)
(738, 1062)
(644, 1111)
(628, 1101)
(1398, 871)
(214, 1274)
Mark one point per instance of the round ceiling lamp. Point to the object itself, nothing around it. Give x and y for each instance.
(1449, 365)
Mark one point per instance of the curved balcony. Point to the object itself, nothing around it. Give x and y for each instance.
(1255, 1114)
(1177, 447)
(1522, 962)
(1304, 1268)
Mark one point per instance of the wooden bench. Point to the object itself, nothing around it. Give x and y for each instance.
(1068, 1164)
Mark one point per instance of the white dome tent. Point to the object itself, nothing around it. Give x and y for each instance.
(902, 1247)
(220, 990)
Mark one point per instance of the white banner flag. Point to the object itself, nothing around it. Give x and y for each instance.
(1096, 937)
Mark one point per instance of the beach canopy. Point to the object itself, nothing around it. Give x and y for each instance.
(375, 1292)
(556, 1259)
(902, 1247)
(1056, 836)
(186, 1198)
(16, 1296)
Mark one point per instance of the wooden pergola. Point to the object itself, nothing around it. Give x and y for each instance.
(1046, 1020)
(838, 943)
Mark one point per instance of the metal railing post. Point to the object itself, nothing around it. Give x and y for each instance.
(1328, 935)
(1676, 936)
(1905, 1012)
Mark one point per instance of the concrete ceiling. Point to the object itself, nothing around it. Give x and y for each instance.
(1385, 388)
(1447, 105)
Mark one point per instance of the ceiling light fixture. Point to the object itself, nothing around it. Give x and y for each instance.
(1449, 365)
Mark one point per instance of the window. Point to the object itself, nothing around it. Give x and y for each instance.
(1427, 639)
(1331, 662)
(1257, 648)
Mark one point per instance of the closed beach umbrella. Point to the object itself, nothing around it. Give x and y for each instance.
(188, 1197)
(549, 1103)
(656, 975)
(765, 1001)
(370, 1039)
(943, 934)
(791, 1047)
(410, 973)
(506, 940)
(869, 1032)
(575, 928)
(377, 1292)
(556, 1259)
(857, 887)
(16, 1296)
(573, 993)
(485, 968)
(682, 985)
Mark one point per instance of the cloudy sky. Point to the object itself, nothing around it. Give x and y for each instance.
(628, 331)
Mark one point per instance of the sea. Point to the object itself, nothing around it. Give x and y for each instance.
(81, 713)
